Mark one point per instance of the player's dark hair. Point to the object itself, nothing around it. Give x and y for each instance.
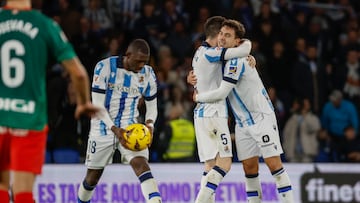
(139, 45)
(212, 26)
(237, 26)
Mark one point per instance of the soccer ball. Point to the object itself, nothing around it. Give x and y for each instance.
(137, 136)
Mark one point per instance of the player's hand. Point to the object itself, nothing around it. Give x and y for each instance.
(191, 78)
(120, 134)
(150, 126)
(194, 95)
(251, 60)
(87, 109)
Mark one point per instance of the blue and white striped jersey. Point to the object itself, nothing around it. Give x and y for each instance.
(207, 68)
(123, 90)
(244, 90)
(248, 99)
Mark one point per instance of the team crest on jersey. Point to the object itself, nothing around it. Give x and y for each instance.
(232, 69)
(111, 85)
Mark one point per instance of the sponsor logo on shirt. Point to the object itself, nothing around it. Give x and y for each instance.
(17, 105)
(121, 88)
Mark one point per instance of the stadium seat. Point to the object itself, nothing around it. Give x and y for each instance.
(48, 157)
(66, 156)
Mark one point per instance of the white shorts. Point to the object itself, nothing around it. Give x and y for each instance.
(212, 137)
(261, 139)
(100, 151)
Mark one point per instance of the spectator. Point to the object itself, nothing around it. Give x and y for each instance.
(178, 40)
(100, 21)
(69, 18)
(300, 134)
(178, 139)
(278, 66)
(350, 148)
(337, 114)
(348, 77)
(308, 79)
(150, 26)
(87, 45)
(279, 107)
(123, 13)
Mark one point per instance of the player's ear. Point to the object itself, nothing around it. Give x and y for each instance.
(238, 41)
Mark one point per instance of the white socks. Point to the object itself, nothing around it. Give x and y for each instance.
(283, 185)
(212, 180)
(149, 188)
(253, 188)
(85, 192)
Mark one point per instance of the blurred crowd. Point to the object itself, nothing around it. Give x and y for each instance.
(307, 54)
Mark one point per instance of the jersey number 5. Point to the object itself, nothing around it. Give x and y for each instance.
(8, 63)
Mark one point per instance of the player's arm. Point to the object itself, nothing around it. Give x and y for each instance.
(217, 54)
(81, 83)
(98, 99)
(240, 51)
(150, 97)
(151, 113)
(232, 73)
(215, 95)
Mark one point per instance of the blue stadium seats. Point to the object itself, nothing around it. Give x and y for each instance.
(61, 156)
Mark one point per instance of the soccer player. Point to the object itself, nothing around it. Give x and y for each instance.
(27, 37)
(118, 84)
(256, 131)
(210, 119)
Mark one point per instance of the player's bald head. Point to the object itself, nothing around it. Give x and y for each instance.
(212, 26)
(139, 46)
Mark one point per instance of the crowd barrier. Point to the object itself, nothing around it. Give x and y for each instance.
(179, 183)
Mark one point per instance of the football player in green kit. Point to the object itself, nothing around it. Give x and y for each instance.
(27, 39)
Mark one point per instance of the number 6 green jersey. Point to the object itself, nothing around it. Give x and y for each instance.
(27, 37)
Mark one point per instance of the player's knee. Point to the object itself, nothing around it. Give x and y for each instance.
(273, 163)
(139, 165)
(226, 166)
(250, 167)
(92, 177)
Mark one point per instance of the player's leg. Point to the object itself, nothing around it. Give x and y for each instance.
(252, 181)
(27, 158)
(270, 146)
(212, 179)
(4, 164)
(208, 165)
(139, 163)
(148, 184)
(99, 153)
(205, 146)
(281, 177)
(87, 187)
(219, 138)
(248, 153)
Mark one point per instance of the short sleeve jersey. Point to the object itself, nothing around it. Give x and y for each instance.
(123, 90)
(249, 98)
(207, 63)
(27, 37)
